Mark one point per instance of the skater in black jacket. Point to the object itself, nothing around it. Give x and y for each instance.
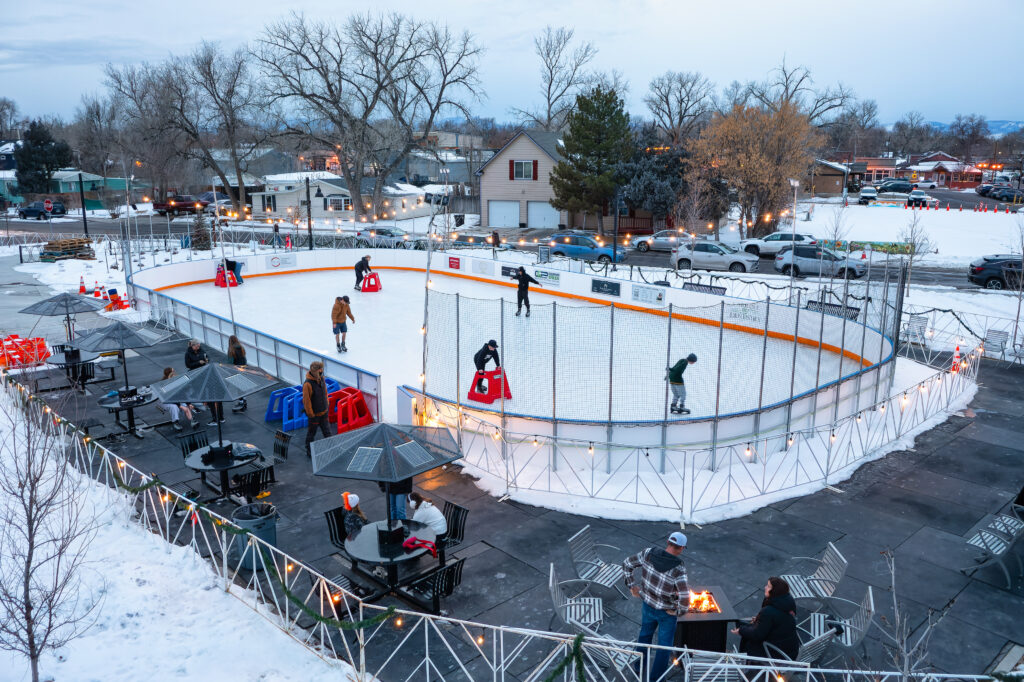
(523, 294)
(362, 267)
(678, 386)
(488, 352)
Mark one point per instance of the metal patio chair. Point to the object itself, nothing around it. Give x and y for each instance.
(580, 606)
(916, 331)
(994, 548)
(606, 651)
(821, 584)
(811, 651)
(591, 567)
(438, 583)
(849, 631)
(995, 342)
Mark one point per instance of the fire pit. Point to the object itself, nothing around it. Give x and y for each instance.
(705, 625)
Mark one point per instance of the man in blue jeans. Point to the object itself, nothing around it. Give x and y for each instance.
(662, 587)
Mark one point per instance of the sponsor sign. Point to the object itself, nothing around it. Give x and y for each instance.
(651, 295)
(603, 286)
(506, 271)
(547, 277)
(483, 267)
(750, 313)
(282, 260)
(543, 254)
(453, 263)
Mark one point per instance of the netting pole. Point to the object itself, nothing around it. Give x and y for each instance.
(897, 315)
(817, 366)
(504, 379)
(458, 375)
(863, 336)
(792, 372)
(611, 387)
(764, 358)
(718, 387)
(842, 355)
(554, 386)
(882, 328)
(664, 422)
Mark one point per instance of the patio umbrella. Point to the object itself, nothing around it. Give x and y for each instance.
(214, 383)
(64, 304)
(386, 453)
(119, 336)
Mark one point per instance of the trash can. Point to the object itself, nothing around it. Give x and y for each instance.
(186, 241)
(260, 519)
(460, 219)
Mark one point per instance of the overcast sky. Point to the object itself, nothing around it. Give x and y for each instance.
(938, 57)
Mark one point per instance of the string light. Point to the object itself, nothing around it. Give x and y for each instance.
(590, 450)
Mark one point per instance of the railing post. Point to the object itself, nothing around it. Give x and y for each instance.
(554, 386)
(458, 375)
(664, 421)
(792, 371)
(882, 328)
(764, 355)
(611, 387)
(718, 388)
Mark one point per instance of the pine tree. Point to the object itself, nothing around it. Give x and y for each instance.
(653, 178)
(38, 157)
(596, 142)
(200, 233)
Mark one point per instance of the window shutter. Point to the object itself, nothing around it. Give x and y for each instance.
(535, 169)
(511, 170)
(325, 203)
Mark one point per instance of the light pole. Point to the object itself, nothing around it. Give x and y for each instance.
(615, 241)
(309, 214)
(795, 184)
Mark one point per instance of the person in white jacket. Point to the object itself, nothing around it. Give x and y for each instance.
(424, 511)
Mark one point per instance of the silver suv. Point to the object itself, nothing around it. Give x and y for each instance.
(707, 255)
(814, 260)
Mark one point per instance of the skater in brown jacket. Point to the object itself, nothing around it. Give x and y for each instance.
(339, 313)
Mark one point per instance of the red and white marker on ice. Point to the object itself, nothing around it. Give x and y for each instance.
(956, 360)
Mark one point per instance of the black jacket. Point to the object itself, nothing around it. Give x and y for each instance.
(776, 624)
(485, 354)
(194, 358)
(524, 280)
(363, 267)
(238, 357)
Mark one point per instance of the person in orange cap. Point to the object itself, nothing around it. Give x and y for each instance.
(355, 519)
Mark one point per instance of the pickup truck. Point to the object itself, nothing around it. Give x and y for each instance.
(179, 203)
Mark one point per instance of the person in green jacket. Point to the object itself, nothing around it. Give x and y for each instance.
(676, 383)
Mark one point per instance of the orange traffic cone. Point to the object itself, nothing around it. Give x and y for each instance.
(105, 296)
(96, 290)
(947, 207)
(81, 284)
(956, 360)
(961, 207)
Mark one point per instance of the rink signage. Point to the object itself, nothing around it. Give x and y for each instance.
(454, 263)
(483, 267)
(603, 286)
(750, 312)
(282, 260)
(506, 271)
(547, 278)
(652, 295)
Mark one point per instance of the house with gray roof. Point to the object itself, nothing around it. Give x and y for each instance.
(515, 187)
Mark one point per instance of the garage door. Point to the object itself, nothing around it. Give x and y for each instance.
(503, 213)
(541, 214)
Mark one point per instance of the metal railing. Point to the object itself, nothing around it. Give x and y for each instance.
(366, 639)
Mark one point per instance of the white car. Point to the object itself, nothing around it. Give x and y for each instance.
(664, 240)
(222, 207)
(925, 184)
(709, 255)
(770, 245)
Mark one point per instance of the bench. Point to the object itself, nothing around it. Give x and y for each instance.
(703, 288)
(849, 312)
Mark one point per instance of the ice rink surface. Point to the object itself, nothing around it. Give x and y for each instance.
(386, 339)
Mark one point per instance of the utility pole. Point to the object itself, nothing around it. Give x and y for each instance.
(81, 196)
(309, 215)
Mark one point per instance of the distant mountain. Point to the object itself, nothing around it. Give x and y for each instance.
(997, 128)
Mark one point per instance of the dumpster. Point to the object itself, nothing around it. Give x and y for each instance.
(260, 519)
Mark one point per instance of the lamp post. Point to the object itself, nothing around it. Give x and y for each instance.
(615, 241)
(309, 214)
(81, 197)
(795, 184)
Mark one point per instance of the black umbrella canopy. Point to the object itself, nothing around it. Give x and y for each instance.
(63, 304)
(119, 336)
(384, 452)
(214, 383)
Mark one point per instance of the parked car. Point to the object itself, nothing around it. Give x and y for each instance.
(917, 197)
(813, 260)
(663, 240)
(382, 238)
(897, 186)
(222, 207)
(180, 203)
(773, 243)
(574, 245)
(983, 189)
(709, 255)
(996, 272)
(867, 195)
(925, 184)
(36, 210)
(1008, 194)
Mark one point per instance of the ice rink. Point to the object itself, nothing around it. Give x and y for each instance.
(386, 339)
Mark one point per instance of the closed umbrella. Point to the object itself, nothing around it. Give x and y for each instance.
(63, 304)
(214, 383)
(119, 336)
(386, 453)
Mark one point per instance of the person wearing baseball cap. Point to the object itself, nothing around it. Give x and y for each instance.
(663, 589)
(488, 352)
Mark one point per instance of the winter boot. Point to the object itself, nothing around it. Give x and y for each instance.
(527, 312)
(344, 348)
(177, 426)
(480, 387)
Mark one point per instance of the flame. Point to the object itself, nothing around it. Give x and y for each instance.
(703, 602)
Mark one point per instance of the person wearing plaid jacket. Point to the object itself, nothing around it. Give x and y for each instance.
(662, 587)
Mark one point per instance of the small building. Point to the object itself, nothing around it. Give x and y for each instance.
(827, 178)
(515, 186)
(877, 168)
(7, 148)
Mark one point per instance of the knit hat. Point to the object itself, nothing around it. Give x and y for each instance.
(351, 501)
(677, 539)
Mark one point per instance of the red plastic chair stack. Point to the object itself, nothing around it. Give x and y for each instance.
(352, 411)
(371, 282)
(496, 382)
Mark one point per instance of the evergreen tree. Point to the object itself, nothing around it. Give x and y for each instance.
(653, 178)
(596, 142)
(38, 157)
(200, 234)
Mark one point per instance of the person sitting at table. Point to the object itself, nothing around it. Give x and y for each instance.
(355, 519)
(774, 624)
(177, 409)
(425, 512)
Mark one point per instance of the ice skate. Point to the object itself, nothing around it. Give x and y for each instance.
(177, 426)
(339, 348)
(674, 409)
(527, 312)
(683, 410)
(519, 311)
(344, 348)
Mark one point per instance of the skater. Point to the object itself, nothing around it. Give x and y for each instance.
(678, 386)
(314, 402)
(362, 267)
(339, 313)
(523, 294)
(277, 234)
(236, 351)
(488, 352)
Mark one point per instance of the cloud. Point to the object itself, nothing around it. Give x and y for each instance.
(19, 54)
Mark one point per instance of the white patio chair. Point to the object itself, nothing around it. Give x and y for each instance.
(580, 606)
(821, 584)
(850, 631)
(591, 567)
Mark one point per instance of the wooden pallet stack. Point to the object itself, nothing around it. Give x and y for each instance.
(64, 249)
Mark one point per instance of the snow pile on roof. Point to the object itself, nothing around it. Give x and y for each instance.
(300, 176)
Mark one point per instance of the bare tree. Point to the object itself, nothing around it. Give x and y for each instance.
(795, 86)
(680, 102)
(695, 205)
(911, 134)
(44, 535)
(10, 117)
(369, 89)
(906, 642)
(917, 241)
(967, 131)
(734, 95)
(95, 132)
(562, 77)
(837, 228)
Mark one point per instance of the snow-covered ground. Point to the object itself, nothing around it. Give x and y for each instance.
(163, 614)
